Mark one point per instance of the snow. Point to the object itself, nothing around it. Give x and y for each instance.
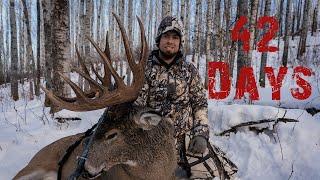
(259, 156)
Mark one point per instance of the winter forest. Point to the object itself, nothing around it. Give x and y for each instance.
(46, 42)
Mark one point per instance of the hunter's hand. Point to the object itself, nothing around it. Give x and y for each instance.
(198, 144)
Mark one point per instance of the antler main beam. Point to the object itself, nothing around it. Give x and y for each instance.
(106, 97)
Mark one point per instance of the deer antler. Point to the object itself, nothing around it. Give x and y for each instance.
(106, 97)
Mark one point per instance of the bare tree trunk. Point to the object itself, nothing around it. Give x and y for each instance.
(218, 33)
(187, 28)
(2, 79)
(111, 26)
(315, 18)
(130, 22)
(196, 45)
(264, 55)
(30, 58)
(182, 11)
(166, 8)
(8, 49)
(231, 45)
(286, 35)
(252, 28)
(61, 45)
(280, 19)
(47, 10)
(121, 55)
(299, 16)
(21, 48)
(87, 33)
(304, 32)
(81, 36)
(242, 59)
(143, 11)
(150, 15)
(14, 54)
(100, 23)
(37, 85)
(208, 38)
(293, 21)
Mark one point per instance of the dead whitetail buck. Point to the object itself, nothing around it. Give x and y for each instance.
(129, 142)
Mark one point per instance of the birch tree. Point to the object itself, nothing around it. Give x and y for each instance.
(30, 57)
(252, 29)
(196, 34)
(286, 34)
(217, 33)
(87, 33)
(22, 48)
(120, 51)
(14, 53)
(38, 74)
(208, 37)
(166, 8)
(61, 45)
(47, 10)
(242, 59)
(187, 28)
(304, 31)
(315, 18)
(130, 22)
(231, 45)
(264, 55)
(299, 16)
(2, 80)
(81, 40)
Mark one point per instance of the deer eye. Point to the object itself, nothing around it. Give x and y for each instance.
(112, 136)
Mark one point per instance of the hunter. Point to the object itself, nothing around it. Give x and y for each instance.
(173, 87)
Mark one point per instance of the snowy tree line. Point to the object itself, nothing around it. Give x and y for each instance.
(39, 37)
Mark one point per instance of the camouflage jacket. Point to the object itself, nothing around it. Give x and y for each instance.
(176, 92)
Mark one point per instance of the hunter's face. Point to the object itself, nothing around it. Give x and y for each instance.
(169, 43)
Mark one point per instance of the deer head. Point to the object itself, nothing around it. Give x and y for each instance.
(137, 138)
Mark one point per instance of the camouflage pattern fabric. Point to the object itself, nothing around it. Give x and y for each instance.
(176, 92)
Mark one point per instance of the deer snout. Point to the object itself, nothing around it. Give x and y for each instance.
(94, 170)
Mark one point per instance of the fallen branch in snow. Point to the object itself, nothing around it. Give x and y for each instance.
(291, 172)
(219, 163)
(313, 111)
(250, 124)
(65, 119)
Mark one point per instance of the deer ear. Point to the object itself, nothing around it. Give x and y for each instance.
(148, 120)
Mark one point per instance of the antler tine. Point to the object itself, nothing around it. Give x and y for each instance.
(83, 66)
(126, 44)
(107, 47)
(79, 93)
(138, 74)
(116, 76)
(72, 106)
(85, 70)
(144, 45)
(92, 81)
(107, 75)
(96, 73)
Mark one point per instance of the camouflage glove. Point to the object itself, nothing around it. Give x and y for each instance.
(198, 144)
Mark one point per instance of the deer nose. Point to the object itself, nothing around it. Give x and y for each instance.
(93, 170)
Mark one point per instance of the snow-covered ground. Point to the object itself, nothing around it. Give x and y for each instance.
(26, 127)
(291, 153)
